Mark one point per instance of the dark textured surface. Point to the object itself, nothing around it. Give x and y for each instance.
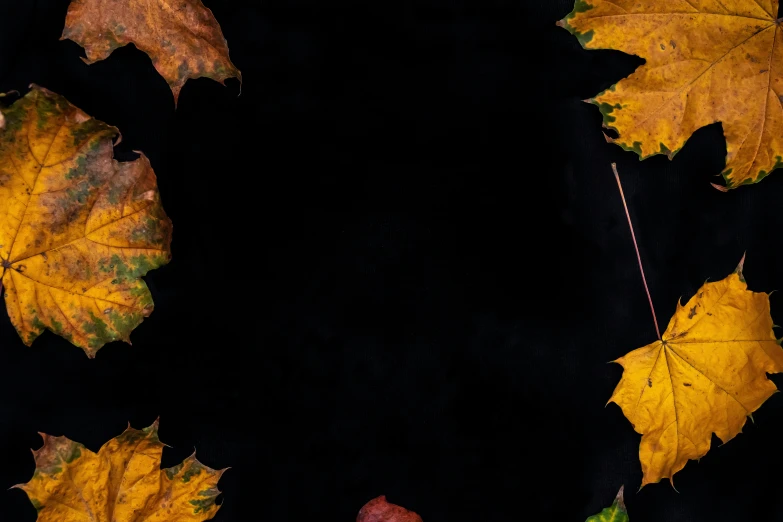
(400, 266)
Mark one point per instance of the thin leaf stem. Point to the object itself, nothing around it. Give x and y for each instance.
(636, 246)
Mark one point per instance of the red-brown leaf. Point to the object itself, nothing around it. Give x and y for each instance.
(378, 510)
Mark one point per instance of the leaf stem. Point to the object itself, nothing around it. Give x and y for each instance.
(638, 256)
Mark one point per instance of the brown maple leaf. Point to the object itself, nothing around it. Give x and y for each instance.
(182, 37)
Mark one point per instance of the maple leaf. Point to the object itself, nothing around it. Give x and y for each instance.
(615, 513)
(706, 375)
(123, 482)
(182, 37)
(378, 510)
(77, 229)
(707, 61)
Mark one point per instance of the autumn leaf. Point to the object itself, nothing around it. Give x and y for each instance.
(123, 482)
(707, 61)
(77, 229)
(706, 375)
(615, 513)
(378, 510)
(182, 37)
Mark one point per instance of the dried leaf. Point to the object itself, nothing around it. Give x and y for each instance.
(615, 513)
(77, 229)
(182, 37)
(123, 482)
(706, 375)
(378, 510)
(707, 61)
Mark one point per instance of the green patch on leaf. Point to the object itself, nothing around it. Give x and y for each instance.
(37, 323)
(74, 453)
(203, 505)
(636, 147)
(763, 174)
(99, 330)
(78, 194)
(88, 129)
(606, 112)
(580, 6)
(124, 324)
(174, 471)
(57, 326)
(79, 170)
(194, 470)
(36, 504)
(46, 107)
(14, 117)
(149, 231)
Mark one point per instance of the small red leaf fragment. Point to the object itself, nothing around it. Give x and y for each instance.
(378, 510)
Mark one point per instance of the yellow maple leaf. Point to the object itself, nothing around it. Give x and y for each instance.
(123, 482)
(182, 37)
(707, 61)
(706, 375)
(77, 228)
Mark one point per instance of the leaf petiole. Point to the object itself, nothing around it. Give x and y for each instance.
(638, 256)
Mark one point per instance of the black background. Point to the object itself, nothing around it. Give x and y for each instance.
(400, 266)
